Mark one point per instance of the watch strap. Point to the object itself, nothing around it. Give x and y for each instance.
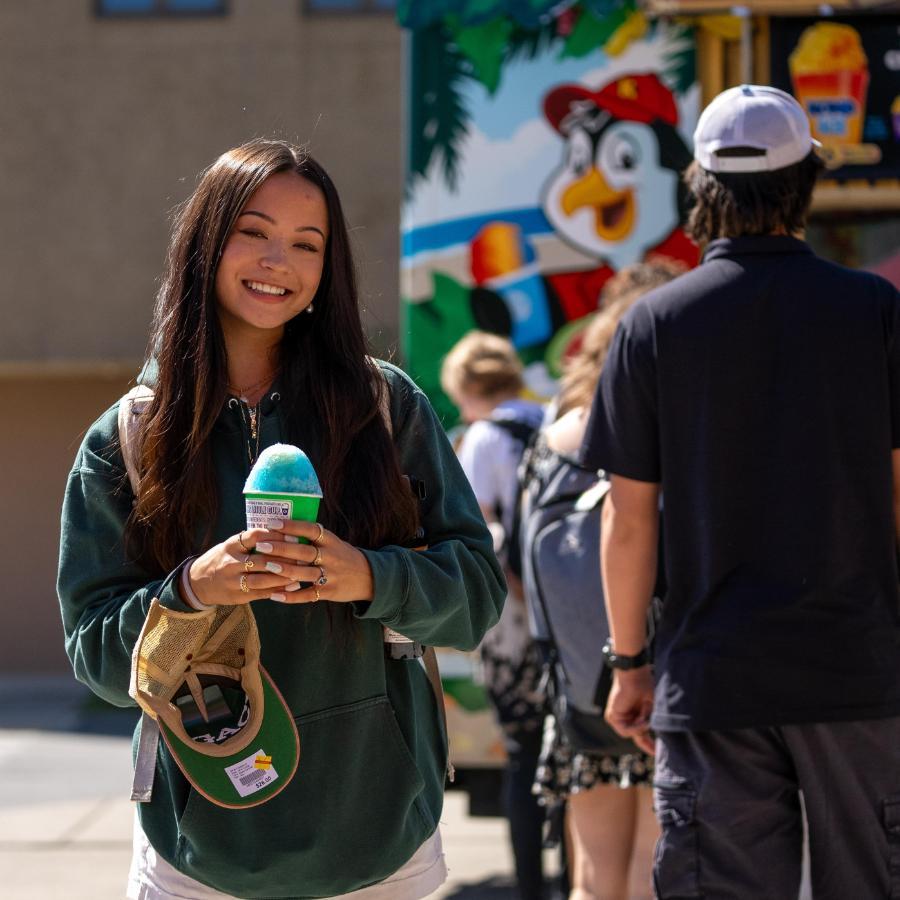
(620, 661)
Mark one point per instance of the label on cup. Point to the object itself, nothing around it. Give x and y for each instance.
(259, 512)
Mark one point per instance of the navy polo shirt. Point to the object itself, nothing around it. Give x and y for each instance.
(762, 390)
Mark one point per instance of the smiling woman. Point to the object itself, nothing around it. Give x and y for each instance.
(257, 341)
(272, 262)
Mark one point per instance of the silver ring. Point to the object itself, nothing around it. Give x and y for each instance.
(323, 580)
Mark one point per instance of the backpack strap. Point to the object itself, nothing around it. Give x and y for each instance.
(130, 408)
(515, 428)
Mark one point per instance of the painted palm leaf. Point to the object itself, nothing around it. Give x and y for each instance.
(438, 120)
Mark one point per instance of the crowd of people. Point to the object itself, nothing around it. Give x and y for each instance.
(745, 416)
(595, 800)
(735, 434)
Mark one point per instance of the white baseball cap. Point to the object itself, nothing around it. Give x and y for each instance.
(770, 122)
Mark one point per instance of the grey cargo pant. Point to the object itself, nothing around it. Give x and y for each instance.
(728, 803)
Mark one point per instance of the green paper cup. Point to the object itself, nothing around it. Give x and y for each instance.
(263, 505)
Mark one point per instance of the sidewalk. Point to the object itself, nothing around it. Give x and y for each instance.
(65, 817)
(66, 820)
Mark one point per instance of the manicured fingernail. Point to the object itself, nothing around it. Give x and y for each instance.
(264, 547)
(291, 539)
(273, 567)
(294, 586)
(274, 524)
(278, 598)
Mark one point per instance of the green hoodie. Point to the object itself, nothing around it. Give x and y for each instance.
(369, 788)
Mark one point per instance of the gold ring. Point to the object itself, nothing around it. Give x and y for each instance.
(241, 542)
(317, 559)
(248, 563)
(323, 580)
(245, 588)
(319, 540)
(317, 595)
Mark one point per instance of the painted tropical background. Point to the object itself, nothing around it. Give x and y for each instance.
(543, 145)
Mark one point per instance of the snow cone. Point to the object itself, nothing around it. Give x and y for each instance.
(282, 485)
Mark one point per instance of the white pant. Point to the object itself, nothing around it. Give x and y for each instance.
(152, 878)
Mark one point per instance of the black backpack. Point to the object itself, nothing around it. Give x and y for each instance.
(560, 511)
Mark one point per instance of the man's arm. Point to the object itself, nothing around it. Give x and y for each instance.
(628, 552)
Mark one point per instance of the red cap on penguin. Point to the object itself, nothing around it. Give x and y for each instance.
(632, 98)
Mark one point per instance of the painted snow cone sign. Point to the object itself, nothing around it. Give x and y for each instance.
(282, 485)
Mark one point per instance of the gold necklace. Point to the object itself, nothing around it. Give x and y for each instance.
(253, 425)
(243, 392)
(253, 429)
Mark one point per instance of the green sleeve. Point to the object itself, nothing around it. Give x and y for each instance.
(104, 597)
(450, 594)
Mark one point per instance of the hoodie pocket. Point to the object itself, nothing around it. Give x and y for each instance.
(351, 816)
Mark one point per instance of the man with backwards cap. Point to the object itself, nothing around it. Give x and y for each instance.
(759, 395)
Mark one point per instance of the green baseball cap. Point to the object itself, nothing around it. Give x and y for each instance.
(222, 718)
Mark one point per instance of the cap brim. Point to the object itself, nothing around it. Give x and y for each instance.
(250, 776)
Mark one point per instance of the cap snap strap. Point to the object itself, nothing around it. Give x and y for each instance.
(216, 639)
(145, 764)
(193, 683)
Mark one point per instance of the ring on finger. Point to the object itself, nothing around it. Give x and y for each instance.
(319, 540)
(241, 542)
(323, 580)
(245, 588)
(248, 563)
(317, 559)
(318, 597)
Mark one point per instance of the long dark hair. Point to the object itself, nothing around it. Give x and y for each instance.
(328, 383)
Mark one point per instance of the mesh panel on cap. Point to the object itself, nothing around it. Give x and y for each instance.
(234, 649)
(166, 647)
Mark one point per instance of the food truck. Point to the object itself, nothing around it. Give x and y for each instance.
(510, 225)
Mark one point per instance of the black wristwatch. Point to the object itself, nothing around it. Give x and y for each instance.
(619, 661)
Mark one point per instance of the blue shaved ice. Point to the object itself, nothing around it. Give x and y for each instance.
(283, 469)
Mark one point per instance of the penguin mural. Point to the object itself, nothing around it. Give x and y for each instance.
(616, 196)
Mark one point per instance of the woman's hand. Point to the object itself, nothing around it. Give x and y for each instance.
(337, 571)
(220, 576)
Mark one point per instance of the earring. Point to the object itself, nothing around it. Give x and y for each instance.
(309, 308)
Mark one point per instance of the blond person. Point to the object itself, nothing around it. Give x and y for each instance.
(483, 376)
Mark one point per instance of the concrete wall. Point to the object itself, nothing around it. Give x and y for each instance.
(45, 418)
(105, 124)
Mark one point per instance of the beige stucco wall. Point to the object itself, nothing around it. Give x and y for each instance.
(45, 419)
(104, 125)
